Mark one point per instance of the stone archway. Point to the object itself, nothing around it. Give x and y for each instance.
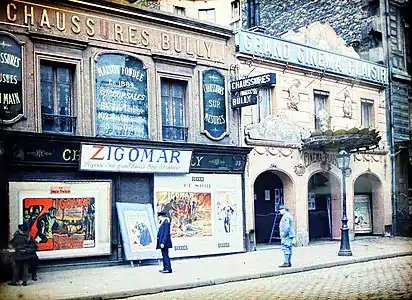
(271, 188)
(368, 206)
(324, 206)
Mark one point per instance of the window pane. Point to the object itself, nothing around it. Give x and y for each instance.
(47, 98)
(63, 75)
(166, 118)
(264, 103)
(64, 99)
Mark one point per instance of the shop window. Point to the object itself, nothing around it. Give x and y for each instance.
(322, 116)
(207, 15)
(263, 103)
(57, 97)
(178, 10)
(173, 110)
(366, 114)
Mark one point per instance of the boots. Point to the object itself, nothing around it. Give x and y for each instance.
(286, 263)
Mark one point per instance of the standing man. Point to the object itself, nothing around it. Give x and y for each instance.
(287, 235)
(164, 241)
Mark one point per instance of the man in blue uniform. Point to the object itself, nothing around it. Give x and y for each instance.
(287, 234)
(164, 241)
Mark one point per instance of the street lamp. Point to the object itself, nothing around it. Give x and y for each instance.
(343, 163)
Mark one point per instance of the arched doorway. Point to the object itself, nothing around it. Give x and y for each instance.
(270, 190)
(368, 205)
(323, 205)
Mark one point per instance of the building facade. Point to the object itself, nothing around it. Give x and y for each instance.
(107, 103)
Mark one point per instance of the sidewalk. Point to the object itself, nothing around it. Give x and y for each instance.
(122, 281)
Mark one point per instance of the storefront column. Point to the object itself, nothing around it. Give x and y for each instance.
(301, 213)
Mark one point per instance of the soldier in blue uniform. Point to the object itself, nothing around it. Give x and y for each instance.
(164, 241)
(287, 235)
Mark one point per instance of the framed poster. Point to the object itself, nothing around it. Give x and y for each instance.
(66, 219)
(362, 218)
(205, 211)
(139, 231)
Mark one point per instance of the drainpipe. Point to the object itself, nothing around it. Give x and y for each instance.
(390, 132)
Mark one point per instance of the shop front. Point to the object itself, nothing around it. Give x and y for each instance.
(66, 189)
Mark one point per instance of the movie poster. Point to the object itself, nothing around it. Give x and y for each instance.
(205, 212)
(362, 214)
(190, 212)
(66, 219)
(138, 229)
(60, 223)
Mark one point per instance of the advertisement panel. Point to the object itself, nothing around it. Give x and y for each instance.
(205, 212)
(138, 229)
(66, 219)
(362, 214)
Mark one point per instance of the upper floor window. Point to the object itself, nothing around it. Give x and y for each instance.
(263, 103)
(321, 110)
(173, 110)
(235, 9)
(366, 114)
(207, 15)
(57, 97)
(178, 10)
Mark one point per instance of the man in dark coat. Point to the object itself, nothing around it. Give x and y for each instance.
(164, 242)
(24, 256)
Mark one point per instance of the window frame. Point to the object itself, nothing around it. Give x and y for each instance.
(370, 103)
(186, 120)
(316, 94)
(269, 91)
(76, 65)
(207, 10)
(177, 8)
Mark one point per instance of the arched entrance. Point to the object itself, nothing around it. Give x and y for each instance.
(368, 205)
(270, 190)
(323, 205)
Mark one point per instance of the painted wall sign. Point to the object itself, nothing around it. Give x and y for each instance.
(11, 79)
(86, 24)
(206, 212)
(290, 52)
(252, 82)
(121, 96)
(244, 98)
(214, 104)
(134, 159)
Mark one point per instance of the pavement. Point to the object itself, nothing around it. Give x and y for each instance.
(126, 281)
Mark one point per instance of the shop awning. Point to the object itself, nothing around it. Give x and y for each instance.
(352, 140)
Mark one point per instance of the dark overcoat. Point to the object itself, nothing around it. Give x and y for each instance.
(163, 235)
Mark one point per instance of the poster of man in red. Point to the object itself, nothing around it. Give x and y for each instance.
(61, 223)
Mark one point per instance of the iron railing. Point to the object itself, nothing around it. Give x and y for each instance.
(174, 133)
(58, 123)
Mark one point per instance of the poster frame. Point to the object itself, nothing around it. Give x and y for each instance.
(102, 193)
(363, 229)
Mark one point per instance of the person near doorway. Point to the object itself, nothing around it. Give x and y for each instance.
(164, 241)
(25, 256)
(287, 235)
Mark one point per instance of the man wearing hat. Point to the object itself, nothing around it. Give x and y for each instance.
(164, 241)
(287, 234)
(24, 256)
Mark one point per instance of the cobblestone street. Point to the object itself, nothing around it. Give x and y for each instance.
(380, 279)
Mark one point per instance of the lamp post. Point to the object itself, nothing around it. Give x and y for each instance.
(343, 162)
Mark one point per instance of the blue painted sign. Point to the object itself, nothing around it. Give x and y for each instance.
(214, 104)
(253, 82)
(11, 79)
(289, 52)
(121, 96)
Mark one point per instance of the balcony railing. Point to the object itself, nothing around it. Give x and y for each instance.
(58, 123)
(174, 133)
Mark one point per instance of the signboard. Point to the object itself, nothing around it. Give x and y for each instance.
(205, 212)
(66, 219)
(11, 79)
(133, 159)
(213, 162)
(362, 214)
(214, 104)
(121, 96)
(139, 231)
(244, 98)
(253, 82)
(289, 52)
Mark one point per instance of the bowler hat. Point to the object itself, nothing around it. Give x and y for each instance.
(23, 227)
(283, 206)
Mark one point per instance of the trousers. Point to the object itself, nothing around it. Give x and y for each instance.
(166, 259)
